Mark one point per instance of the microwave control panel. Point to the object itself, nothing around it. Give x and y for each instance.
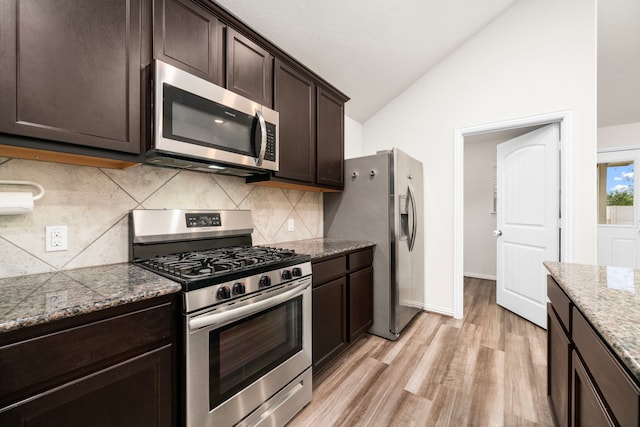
(270, 152)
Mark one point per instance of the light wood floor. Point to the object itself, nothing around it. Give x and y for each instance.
(488, 369)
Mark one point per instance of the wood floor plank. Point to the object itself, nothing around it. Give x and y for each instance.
(488, 405)
(449, 408)
(488, 369)
(520, 378)
(325, 409)
(433, 365)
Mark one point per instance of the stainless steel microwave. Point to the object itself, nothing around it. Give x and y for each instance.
(201, 126)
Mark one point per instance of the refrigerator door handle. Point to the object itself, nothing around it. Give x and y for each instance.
(414, 219)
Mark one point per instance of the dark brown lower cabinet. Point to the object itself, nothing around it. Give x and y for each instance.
(342, 302)
(558, 369)
(329, 321)
(115, 367)
(587, 406)
(360, 302)
(135, 392)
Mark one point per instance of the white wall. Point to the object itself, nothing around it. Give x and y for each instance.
(627, 135)
(538, 57)
(479, 220)
(352, 138)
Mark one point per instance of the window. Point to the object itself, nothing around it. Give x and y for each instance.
(616, 193)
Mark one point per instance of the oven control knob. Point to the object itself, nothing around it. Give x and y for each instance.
(238, 288)
(265, 281)
(297, 272)
(223, 292)
(286, 274)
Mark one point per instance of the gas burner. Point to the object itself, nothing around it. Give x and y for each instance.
(210, 263)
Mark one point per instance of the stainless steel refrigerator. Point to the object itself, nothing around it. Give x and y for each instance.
(382, 202)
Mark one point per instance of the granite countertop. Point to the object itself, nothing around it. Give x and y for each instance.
(609, 297)
(323, 247)
(40, 298)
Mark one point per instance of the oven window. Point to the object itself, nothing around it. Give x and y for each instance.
(191, 118)
(244, 351)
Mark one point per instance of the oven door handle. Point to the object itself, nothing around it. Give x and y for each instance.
(216, 319)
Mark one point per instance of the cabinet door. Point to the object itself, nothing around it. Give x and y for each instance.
(249, 69)
(360, 297)
(329, 322)
(330, 149)
(188, 37)
(70, 71)
(294, 96)
(136, 392)
(558, 369)
(587, 406)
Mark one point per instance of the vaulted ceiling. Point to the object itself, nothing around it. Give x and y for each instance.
(374, 49)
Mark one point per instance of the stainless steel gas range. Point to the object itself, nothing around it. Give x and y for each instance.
(246, 313)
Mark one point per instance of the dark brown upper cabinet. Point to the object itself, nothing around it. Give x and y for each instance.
(71, 71)
(311, 132)
(189, 37)
(249, 69)
(295, 100)
(330, 152)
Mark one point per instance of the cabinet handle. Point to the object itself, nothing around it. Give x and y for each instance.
(414, 228)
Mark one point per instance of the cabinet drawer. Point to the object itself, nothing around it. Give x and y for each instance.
(57, 357)
(360, 259)
(621, 395)
(326, 270)
(561, 303)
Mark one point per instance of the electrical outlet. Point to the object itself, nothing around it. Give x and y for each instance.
(56, 238)
(291, 226)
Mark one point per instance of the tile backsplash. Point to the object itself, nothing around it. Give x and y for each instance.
(94, 204)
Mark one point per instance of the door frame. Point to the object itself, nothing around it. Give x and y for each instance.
(567, 144)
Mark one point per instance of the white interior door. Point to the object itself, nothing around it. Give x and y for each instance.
(527, 220)
(618, 221)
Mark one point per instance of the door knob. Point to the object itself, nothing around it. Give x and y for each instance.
(497, 233)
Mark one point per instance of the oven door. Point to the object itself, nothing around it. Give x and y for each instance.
(241, 355)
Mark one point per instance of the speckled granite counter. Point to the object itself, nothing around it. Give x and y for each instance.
(322, 247)
(609, 297)
(40, 298)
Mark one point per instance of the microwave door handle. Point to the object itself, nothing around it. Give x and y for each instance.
(263, 137)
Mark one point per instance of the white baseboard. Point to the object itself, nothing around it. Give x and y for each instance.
(438, 310)
(480, 276)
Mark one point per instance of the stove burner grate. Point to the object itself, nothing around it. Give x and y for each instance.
(209, 263)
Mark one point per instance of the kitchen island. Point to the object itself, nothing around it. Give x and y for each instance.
(593, 344)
